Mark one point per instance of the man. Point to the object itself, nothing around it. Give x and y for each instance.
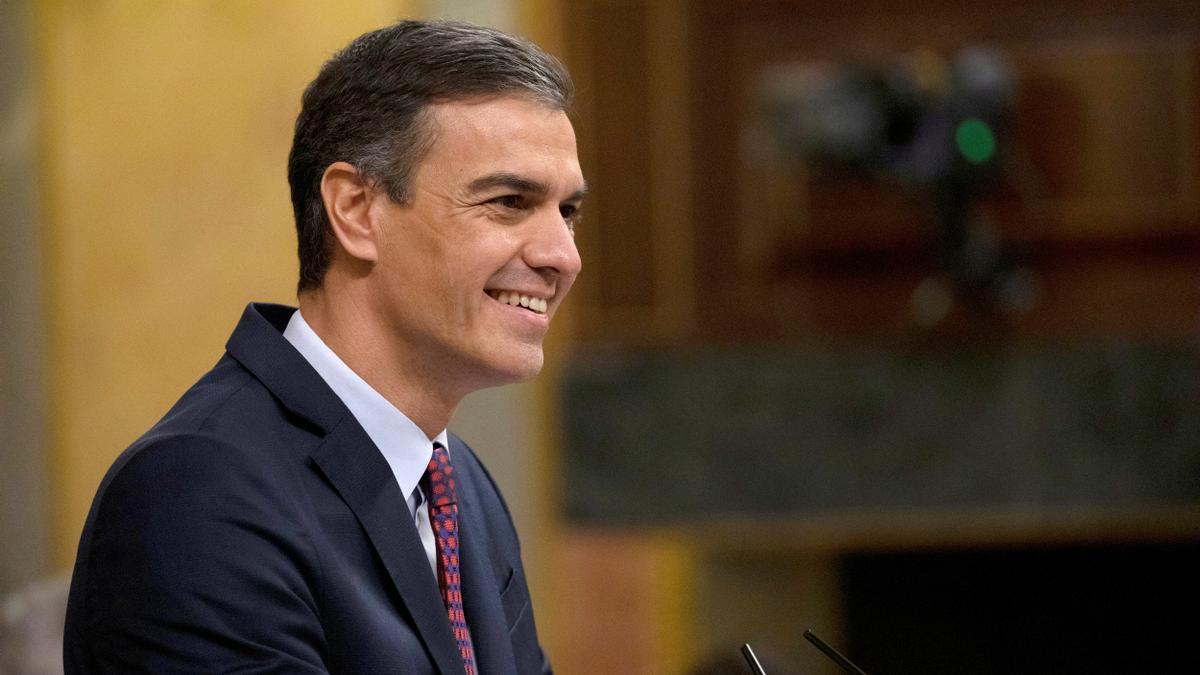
(302, 508)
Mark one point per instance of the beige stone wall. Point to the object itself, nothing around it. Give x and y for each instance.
(165, 129)
(24, 539)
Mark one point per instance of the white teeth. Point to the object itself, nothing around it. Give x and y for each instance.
(538, 305)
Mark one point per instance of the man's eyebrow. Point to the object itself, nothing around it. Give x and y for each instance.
(512, 181)
(518, 183)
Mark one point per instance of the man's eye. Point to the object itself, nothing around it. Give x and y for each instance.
(569, 212)
(515, 202)
(570, 215)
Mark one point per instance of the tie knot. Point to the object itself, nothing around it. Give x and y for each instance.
(438, 480)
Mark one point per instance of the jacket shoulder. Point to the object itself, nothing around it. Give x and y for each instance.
(188, 516)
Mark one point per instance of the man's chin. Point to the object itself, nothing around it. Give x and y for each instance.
(514, 368)
(527, 370)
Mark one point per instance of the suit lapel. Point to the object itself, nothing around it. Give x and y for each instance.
(354, 466)
(481, 595)
(364, 480)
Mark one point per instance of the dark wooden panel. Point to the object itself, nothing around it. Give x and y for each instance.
(615, 134)
(1105, 154)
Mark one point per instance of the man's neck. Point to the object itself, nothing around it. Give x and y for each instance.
(359, 340)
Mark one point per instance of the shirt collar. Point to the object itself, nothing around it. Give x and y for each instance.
(401, 441)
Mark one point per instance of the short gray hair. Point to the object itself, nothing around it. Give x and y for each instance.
(369, 106)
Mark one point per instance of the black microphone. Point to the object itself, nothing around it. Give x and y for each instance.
(832, 653)
(752, 660)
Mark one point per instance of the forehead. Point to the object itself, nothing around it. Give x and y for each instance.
(512, 134)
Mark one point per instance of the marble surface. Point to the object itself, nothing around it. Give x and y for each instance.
(681, 436)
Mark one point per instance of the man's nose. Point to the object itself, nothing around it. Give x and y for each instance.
(552, 245)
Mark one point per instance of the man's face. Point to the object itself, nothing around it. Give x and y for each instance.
(472, 269)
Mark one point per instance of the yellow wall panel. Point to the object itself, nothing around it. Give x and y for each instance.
(165, 131)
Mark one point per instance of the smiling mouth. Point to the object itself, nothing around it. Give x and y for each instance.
(535, 305)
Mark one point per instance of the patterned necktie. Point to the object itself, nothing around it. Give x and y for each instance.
(438, 482)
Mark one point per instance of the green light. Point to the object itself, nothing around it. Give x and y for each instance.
(975, 140)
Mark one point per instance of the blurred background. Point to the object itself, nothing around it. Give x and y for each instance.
(888, 326)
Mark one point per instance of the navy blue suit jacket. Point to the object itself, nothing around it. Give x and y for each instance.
(257, 528)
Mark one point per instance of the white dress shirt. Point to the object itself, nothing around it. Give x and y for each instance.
(401, 441)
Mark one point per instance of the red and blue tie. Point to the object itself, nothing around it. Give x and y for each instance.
(438, 482)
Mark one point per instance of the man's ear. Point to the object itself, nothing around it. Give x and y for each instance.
(347, 195)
